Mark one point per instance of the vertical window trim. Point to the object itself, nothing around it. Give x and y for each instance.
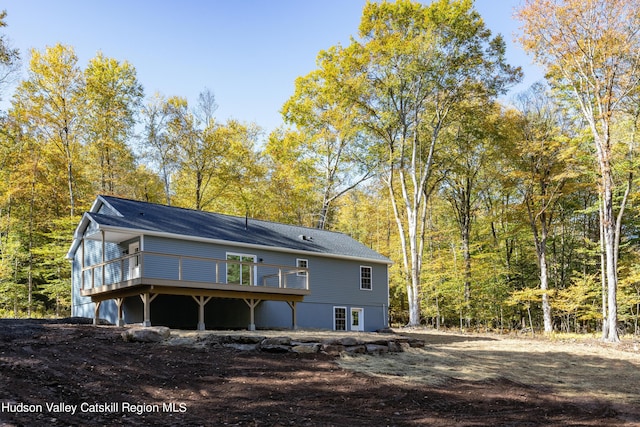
(306, 262)
(344, 308)
(370, 278)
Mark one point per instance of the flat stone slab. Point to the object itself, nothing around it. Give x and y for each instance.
(146, 334)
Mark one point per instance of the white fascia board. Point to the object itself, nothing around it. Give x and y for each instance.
(77, 235)
(100, 200)
(94, 206)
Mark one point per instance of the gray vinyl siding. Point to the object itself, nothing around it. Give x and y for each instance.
(157, 266)
(338, 281)
(277, 314)
(83, 306)
(332, 282)
(330, 279)
(80, 306)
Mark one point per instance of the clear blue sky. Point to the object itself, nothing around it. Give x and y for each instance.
(248, 52)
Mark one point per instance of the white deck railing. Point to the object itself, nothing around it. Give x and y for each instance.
(199, 270)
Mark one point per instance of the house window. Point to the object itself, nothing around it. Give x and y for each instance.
(365, 278)
(339, 318)
(239, 269)
(302, 263)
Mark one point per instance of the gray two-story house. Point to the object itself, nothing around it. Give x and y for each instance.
(137, 262)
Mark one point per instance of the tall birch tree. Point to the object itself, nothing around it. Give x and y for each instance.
(407, 75)
(590, 51)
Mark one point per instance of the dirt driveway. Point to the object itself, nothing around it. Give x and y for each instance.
(63, 374)
(571, 369)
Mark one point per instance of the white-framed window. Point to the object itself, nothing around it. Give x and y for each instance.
(339, 318)
(239, 271)
(365, 278)
(302, 263)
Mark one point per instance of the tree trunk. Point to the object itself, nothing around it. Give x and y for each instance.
(544, 286)
(466, 253)
(540, 238)
(603, 274)
(612, 280)
(324, 211)
(610, 237)
(69, 157)
(411, 241)
(198, 191)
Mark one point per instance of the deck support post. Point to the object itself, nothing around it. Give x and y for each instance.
(252, 303)
(201, 301)
(146, 300)
(120, 321)
(96, 312)
(294, 317)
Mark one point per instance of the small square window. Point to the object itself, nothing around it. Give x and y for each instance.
(365, 278)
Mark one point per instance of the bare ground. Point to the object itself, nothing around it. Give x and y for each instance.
(456, 380)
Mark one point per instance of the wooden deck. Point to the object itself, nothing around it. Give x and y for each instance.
(134, 275)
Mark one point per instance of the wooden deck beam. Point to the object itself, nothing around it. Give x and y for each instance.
(148, 290)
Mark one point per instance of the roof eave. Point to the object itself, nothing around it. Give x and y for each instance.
(77, 235)
(240, 244)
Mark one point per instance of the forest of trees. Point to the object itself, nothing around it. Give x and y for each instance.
(497, 214)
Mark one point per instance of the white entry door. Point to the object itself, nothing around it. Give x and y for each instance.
(357, 319)
(134, 260)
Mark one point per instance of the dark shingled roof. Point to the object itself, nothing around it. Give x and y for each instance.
(157, 218)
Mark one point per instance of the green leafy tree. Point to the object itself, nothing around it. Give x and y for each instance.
(50, 103)
(335, 142)
(159, 149)
(407, 77)
(52, 269)
(543, 167)
(578, 302)
(590, 50)
(290, 192)
(470, 141)
(240, 179)
(113, 97)
(9, 56)
(198, 147)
